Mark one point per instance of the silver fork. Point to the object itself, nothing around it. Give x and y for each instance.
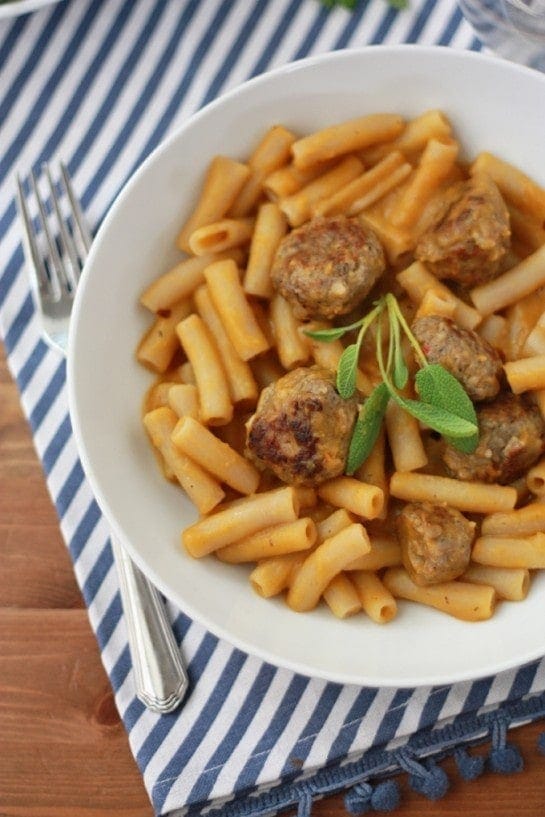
(160, 677)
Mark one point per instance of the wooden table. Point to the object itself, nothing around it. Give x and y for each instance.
(63, 749)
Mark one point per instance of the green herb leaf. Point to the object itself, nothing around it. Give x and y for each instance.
(348, 4)
(326, 335)
(444, 405)
(401, 372)
(348, 364)
(465, 444)
(436, 385)
(440, 419)
(395, 310)
(440, 388)
(335, 332)
(367, 428)
(347, 371)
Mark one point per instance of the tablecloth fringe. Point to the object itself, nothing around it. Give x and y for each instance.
(369, 783)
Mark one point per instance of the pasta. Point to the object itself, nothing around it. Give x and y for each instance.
(417, 281)
(215, 456)
(272, 153)
(221, 235)
(159, 344)
(298, 207)
(522, 522)
(240, 380)
(473, 497)
(376, 600)
(290, 537)
(469, 602)
(523, 279)
(358, 497)
(292, 351)
(241, 519)
(435, 164)
(270, 227)
(221, 333)
(341, 597)
(181, 281)
(408, 452)
(235, 312)
(201, 488)
(224, 181)
(337, 140)
(527, 552)
(214, 399)
(324, 563)
(366, 189)
(509, 583)
(517, 188)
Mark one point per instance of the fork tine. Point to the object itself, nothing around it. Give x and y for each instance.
(57, 270)
(79, 219)
(34, 257)
(66, 238)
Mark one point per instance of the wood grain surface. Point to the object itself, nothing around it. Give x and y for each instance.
(63, 749)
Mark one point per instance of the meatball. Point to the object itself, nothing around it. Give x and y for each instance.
(468, 357)
(301, 429)
(326, 267)
(512, 438)
(469, 234)
(435, 542)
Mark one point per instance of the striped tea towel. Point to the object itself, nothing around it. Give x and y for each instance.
(99, 83)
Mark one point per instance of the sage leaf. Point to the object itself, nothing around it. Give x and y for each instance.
(367, 428)
(437, 386)
(440, 419)
(401, 372)
(466, 445)
(347, 371)
(326, 335)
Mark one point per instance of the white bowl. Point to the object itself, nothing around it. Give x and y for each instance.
(494, 105)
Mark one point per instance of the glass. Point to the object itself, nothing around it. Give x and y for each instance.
(514, 29)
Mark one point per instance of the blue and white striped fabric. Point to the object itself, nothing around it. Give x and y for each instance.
(99, 83)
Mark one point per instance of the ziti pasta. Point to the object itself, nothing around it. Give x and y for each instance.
(348, 370)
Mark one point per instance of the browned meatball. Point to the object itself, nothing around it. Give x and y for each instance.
(469, 235)
(512, 438)
(326, 267)
(301, 429)
(435, 542)
(469, 358)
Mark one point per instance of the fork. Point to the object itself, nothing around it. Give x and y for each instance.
(160, 677)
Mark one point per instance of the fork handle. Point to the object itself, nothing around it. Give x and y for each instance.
(160, 677)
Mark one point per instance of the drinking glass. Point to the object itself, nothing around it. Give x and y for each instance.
(514, 29)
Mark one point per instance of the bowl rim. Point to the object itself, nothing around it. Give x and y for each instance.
(454, 54)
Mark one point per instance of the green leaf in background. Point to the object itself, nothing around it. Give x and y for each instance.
(367, 428)
(347, 4)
